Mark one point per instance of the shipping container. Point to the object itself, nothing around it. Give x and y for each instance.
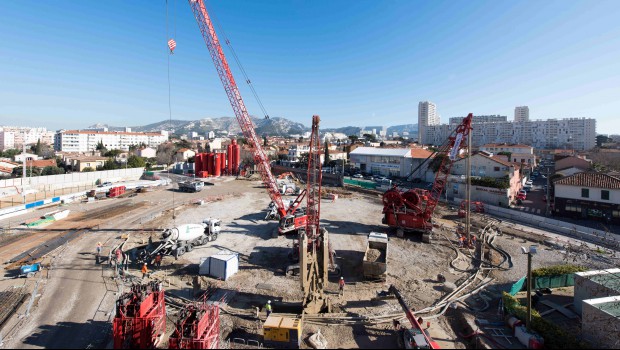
(220, 266)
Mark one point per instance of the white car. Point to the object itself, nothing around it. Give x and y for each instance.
(529, 183)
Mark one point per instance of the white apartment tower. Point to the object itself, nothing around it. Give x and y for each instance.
(522, 114)
(427, 116)
(87, 140)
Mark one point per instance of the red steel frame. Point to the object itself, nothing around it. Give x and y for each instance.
(413, 209)
(140, 320)
(198, 328)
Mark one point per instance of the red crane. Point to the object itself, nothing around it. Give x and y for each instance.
(418, 336)
(289, 221)
(412, 210)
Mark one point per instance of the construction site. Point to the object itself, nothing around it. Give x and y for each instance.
(254, 259)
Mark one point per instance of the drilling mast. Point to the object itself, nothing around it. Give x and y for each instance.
(314, 254)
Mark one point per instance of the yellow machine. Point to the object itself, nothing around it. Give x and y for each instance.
(283, 331)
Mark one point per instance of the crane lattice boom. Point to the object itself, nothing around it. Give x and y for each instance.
(234, 96)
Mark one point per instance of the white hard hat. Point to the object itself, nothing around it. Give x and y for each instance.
(341, 278)
(144, 263)
(268, 301)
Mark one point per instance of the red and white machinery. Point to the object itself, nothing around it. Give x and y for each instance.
(140, 318)
(198, 327)
(476, 207)
(416, 337)
(412, 210)
(291, 218)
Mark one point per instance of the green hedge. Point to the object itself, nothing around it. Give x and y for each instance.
(557, 270)
(555, 337)
(502, 183)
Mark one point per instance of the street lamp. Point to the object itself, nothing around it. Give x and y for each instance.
(532, 251)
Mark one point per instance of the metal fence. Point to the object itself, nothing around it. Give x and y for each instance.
(33, 197)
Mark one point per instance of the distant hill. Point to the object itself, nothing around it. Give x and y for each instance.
(272, 127)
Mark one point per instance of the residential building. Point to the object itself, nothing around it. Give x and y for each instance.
(184, 154)
(210, 135)
(573, 162)
(7, 140)
(569, 133)
(41, 163)
(518, 153)
(146, 152)
(397, 162)
(591, 196)
(87, 140)
(82, 162)
(20, 158)
(28, 135)
(485, 165)
(494, 118)
(522, 114)
(427, 116)
(5, 163)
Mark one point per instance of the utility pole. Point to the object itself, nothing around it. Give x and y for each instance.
(24, 166)
(547, 211)
(468, 189)
(528, 323)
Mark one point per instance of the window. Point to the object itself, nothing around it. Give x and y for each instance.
(585, 193)
(573, 208)
(604, 195)
(615, 213)
(496, 168)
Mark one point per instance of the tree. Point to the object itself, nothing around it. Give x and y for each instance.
(165, 153)
(182, 144)
(88, 170)
(11, 153)
(353, 138)
(208, 149)
(30, 171)
(110, 164)
(38, 148)
(265, 141)
(370, 137)
(100, 147)
(52, 170)
(112, 153)
(601, 139)
(436, 162)
(327, 158)
(509, 154)
(135, 162)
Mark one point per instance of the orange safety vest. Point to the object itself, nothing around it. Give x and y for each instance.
(144, 269)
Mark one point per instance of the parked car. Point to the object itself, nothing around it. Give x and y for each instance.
(529, 182)
(358, 176)
(107, 183)
(522, 193)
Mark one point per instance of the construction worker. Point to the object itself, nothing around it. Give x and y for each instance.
(145, 270)
(268, 308)
(341, 287)
(461, 241)
(158, 260)
(473, 241)
(98, 251)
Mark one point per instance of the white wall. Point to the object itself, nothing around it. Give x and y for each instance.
(574, 192)
(10, 187)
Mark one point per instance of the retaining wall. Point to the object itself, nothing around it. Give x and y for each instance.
(11, 187)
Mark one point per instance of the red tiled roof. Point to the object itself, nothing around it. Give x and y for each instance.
(41, 163)
(420, 153)
(6, 170)
(591, 180)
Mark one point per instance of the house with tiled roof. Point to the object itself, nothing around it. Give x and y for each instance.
(589, 196)
(41, 163)
(486, 165)
(183, 154)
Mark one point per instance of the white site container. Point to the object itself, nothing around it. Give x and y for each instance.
(220, 266)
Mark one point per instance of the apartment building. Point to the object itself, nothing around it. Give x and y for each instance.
(16, 136)
(87, 140)
(427, 116)
(569, 133)
(522, 114)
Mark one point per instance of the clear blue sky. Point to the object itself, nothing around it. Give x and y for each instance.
(71, 64)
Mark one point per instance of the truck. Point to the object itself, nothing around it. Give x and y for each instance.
(178, 240)
(191, 186)
(375, 258)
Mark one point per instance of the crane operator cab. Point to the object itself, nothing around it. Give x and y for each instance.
(292, 222)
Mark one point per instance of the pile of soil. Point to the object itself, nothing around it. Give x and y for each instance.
(375, 255)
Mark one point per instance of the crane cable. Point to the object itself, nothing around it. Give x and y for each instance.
(170, 99)
(220, 29)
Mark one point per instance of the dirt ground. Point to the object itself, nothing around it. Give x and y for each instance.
(412, 265)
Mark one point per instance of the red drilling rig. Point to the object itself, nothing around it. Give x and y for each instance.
(412, 210)
(198, 327)
(293, 217)
(140, 318)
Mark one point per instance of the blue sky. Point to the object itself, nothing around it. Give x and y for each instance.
(70, 64)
